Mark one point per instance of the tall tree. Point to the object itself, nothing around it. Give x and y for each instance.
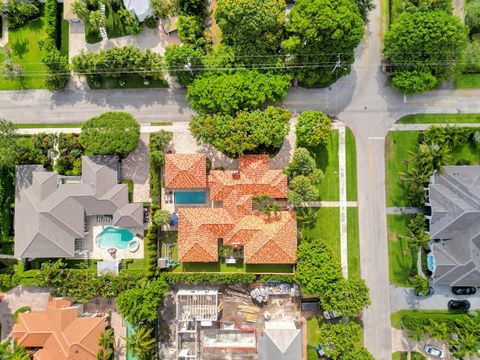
(142, 344)
(8, 143)
(252, 27)
(416, 46)
(322, 32)
(346, 297)
(313, 128)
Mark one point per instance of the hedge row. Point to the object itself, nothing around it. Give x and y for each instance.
(275, 277)
(210, 278)
(51, 20)
(150, 244)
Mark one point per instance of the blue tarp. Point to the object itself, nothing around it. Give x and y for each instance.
(173, 219)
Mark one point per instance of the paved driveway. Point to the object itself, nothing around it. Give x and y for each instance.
(136, 167)
(35, 297)
(404, 299)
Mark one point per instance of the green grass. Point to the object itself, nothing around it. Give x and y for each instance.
(313, 331)
(351, 160)
(130, 188)
(399, 256)
(135, 264)
(162, 123)
(399, 355)
(397, 9)
(353, 243)
(399, 144)
(43, 126)
(326, 227)
(65, 39)
(326, 158)
(439, 118)
(467, 81)
(26, 52)
(82, 264)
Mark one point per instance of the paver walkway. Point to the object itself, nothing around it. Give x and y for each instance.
(136, 167)
(342, 165)
(404, 210)
(35, 297)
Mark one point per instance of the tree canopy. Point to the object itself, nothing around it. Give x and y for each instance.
(313, 128)
(110, 133)
(341, 341)
(227, 93)
(8, 144)
(321, 30)
(317, 268)
(245, 133)
(178, 58)
(416, 46)
(346, 297)
(252, 27)
(140, 305)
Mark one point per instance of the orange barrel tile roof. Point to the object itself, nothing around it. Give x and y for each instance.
(185, 171)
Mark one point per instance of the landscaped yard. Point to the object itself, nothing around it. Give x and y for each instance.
(353, 243)
(467, 81)
(398, 144)
(439, 118)
(399, 256)
(327, 160)
(313, 329)
(399, 147)
(26, 52)
(351, 161)
(326, 227)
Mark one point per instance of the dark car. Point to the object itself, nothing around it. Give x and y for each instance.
(459, 305)
(464, 290)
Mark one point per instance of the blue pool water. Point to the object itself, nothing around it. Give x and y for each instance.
(113, 237)
(190, 197)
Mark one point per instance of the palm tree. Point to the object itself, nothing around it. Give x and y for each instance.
(107, 344)
(307, 216)
(141, 344)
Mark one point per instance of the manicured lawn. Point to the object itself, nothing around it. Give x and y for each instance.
(399, 355)
(353, 243)
(399, 256)
(64, 45)
(439, 118)
(351, 160)
(469, 152)
(313, 331)
(42, 126)
(327, 160)
(399, 144)
(467, 81)
(26, 52)
(326, 227)
(397, 316)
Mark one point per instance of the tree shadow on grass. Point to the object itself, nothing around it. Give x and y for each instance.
(320, 153)
(20, 47)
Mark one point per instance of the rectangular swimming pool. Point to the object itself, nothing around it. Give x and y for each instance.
(190, 197)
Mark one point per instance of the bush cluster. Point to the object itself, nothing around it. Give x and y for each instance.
(20, 12)
(69, 161)
(150, 244)
(158, 144)
(208, 278)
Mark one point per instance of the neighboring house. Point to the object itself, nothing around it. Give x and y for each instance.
(229, 219)
(281, 340)
(55, 216)
(141, 8)
(68, 13)
(60, 332)
(454, 198)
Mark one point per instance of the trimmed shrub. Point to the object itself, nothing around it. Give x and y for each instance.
(209, 278)
(150, 244)
(274, 277)
(19, 13)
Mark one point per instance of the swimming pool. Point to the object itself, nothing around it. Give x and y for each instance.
(190, 197)
(111, 237)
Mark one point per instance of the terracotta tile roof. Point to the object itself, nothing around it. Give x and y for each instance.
(266, 239)
(59, 332)
(185, 171)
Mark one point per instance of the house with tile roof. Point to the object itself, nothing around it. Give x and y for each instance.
(60, 332)
(55, 215)
(229, 218)
(454, 200)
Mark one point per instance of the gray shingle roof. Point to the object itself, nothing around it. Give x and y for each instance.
(455, 225)
(280, 344)
(50, 215)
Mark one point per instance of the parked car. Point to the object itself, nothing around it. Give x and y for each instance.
(459, 305)
(464, 290)
(434, 352)
(430, 291)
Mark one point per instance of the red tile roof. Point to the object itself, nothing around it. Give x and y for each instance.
(185, 171)
(59, 332)
(266, 239)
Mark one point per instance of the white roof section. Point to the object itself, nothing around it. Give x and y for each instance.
(141, 8)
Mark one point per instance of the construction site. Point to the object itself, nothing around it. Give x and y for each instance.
(261, 321)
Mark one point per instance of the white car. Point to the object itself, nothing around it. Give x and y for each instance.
(434, 352)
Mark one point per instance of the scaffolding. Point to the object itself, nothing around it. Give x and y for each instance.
(193, 307)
